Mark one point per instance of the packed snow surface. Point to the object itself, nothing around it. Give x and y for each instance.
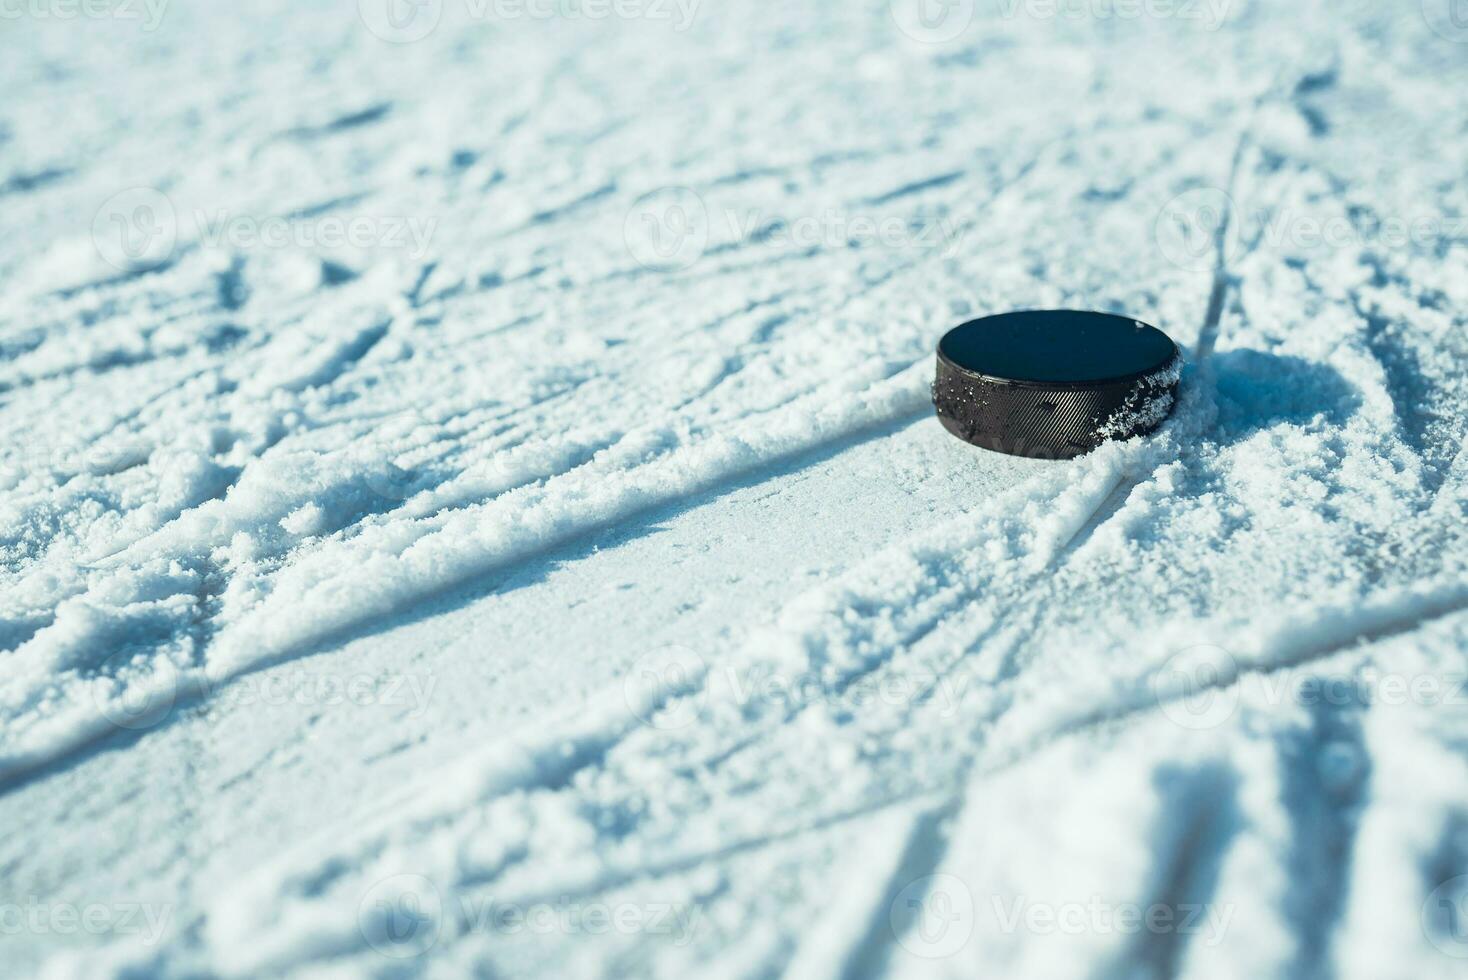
(469, 501)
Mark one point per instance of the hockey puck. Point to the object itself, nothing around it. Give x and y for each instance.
(1054, 384)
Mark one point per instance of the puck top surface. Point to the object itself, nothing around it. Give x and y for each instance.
(1062, 347)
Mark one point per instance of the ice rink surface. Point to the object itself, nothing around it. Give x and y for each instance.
(470, 503)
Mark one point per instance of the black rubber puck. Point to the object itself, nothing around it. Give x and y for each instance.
(1054, 384)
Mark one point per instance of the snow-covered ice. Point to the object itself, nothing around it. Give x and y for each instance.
(470, 505)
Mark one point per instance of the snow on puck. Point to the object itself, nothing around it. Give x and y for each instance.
(1053, 384)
